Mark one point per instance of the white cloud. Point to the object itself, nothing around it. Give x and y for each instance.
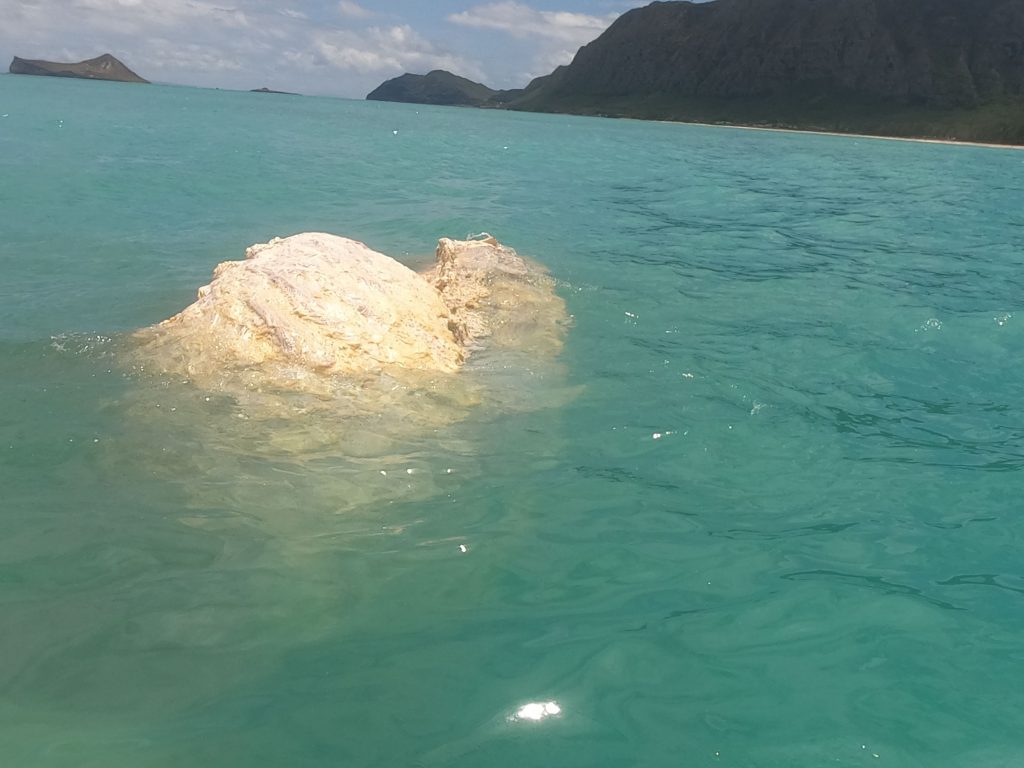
(549, 38)
(353, 10)
(548, 59)
(520, 20)
(159, 12)
(171, 55)
(387, 50)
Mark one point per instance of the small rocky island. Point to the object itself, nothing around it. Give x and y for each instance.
(104, 67)
(437, 87)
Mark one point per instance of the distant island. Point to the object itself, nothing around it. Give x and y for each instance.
(946, 69)
(271, 90)
(104, 67)
(437, 87)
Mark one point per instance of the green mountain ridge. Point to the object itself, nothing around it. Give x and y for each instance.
(948, 69)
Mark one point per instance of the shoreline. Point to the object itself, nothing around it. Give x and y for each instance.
(919, 140)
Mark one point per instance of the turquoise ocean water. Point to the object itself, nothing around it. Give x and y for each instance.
(768, 514)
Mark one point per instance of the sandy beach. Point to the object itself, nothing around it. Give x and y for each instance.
(919, 140)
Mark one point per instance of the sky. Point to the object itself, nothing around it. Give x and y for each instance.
(325, 47)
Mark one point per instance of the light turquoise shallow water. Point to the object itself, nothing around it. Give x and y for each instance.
(818, 562)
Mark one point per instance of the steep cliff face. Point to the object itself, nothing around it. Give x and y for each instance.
(936, 53)
(437, 87)
(104, 67)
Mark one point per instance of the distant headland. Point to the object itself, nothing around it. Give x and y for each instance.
(942, 69)
(437, 87)
(264, 89)
(104, 67)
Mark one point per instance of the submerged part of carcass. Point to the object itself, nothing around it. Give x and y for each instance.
(314, 369)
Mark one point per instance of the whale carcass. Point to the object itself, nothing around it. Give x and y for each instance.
(307, 312)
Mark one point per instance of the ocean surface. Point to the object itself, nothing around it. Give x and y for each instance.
(767, 513)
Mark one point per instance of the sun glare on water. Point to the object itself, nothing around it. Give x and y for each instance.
(536, 710)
